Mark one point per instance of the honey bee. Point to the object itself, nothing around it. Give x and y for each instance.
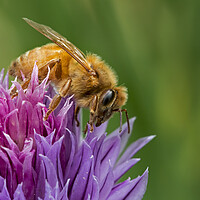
(92, 82)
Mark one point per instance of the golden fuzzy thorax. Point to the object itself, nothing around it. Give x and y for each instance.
(84, 87)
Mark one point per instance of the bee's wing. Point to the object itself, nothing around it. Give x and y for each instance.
(63, 43)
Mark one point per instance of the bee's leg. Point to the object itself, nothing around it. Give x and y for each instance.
(53, 105)
(54, 63)
(86, 129)
(58, 72)
(93, 108)
(120, 116)
(24, 85)
(127, 119)
(77, 109)
(57, 98)
(13, 92)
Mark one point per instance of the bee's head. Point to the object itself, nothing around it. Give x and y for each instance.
(110, 101)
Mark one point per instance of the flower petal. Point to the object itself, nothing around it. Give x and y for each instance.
(39, 90)
(138, 191)
(50, 93)
(33, 82)
(11, 144)
(63, 195)
(134, 148)
(1, 76)
(49, 138)
(3, 190)
(50, 171)
(16, 164)
(40, 184)
(21, 94)
(108, 184)
(131, 190)
(121, 190)
(5, 83)
(48, 192)
(28, 178)
(121, 169)
(3, 109)
(97, 152)
(23, 125)
(98, 132)
(11, 124)
(54, 155)
(19, 194)
(6, 171)
(95, 189)
(81, 169)
(42, 144)
(124, 135)
(67, 154)
(90, 180)
(110, 152)
(28, 145)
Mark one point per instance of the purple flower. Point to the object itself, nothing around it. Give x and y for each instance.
(52, 160)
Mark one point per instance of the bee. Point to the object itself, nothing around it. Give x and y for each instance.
(92, 82)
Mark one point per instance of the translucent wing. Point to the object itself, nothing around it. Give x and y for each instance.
(62, 42)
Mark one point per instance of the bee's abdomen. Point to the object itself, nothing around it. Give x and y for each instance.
(41, 55)
(16, 67)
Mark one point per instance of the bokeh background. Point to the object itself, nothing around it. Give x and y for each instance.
(154, 47)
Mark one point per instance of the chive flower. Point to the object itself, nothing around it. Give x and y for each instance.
(52, 159)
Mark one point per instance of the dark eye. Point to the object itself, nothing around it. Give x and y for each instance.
(108, 98)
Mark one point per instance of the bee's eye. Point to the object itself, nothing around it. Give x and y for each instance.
(108, 98)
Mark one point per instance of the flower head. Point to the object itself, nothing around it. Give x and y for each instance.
(51, 160)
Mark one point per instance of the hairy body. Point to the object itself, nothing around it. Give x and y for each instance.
(92, 82)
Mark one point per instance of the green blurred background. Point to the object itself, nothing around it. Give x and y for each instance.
(154, 47)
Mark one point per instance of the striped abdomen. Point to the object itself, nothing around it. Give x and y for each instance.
(41, 55)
